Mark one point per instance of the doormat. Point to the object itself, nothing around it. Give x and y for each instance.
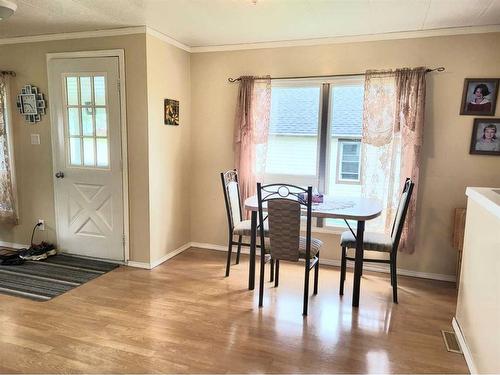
(44, 280)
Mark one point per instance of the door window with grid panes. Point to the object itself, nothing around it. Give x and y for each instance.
(86, 133)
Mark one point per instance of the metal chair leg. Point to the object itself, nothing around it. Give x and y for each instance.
(392, 274)
(394, 280)
(262, 275)
(316, 275)
(239, 250)
(343, 266)
(277, 274)
(229, 251)
(306, 290)
(271, 268)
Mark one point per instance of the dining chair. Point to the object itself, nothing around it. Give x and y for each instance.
(236, 225)
(285, 204)
(380, 242)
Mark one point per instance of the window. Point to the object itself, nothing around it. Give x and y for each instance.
(315, 135)
(292, 149)
(87, 121)
(349, 162)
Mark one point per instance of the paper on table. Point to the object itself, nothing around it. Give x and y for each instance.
(333, 205)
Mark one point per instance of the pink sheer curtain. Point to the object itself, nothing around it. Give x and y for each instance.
(8, 212)
(393, 123)
(251, 131)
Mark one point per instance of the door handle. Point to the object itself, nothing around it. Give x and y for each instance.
(60, 174)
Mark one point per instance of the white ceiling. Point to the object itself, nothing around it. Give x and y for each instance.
(224, 22)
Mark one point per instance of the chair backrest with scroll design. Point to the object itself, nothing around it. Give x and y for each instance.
(285, 205)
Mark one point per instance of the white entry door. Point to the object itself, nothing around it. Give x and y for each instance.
(86, 131)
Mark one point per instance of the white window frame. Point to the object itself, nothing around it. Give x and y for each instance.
(320, 180)
(341, 142)
(291, 178)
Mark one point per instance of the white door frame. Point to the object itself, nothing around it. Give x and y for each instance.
(123, 121)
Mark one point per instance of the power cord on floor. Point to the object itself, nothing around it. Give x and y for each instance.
(33, 233)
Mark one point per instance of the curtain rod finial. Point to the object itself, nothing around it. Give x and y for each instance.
(439, 69)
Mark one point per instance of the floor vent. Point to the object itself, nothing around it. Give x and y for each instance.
(451, 342)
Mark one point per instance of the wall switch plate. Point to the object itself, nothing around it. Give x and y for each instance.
(35, 139)
(41, 227)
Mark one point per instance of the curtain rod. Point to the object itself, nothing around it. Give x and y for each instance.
(440, 69)
(8, 73)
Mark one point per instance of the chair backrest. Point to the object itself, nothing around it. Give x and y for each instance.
(284, 204)
(399, 220)
(231, 190)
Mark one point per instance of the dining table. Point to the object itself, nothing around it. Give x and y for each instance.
(359, 209)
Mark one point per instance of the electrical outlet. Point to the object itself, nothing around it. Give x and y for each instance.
(41, 227)
(35, 139)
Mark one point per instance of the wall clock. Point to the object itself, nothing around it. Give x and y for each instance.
(31, 104)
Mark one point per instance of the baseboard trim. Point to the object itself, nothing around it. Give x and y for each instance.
(13, 245)
(463, 345)
(210, 246)
(157, 262)
(170, 255)
(144, 265)
(336, 263)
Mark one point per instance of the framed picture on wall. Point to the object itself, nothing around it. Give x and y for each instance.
(171, 112)
(479, 96)
(485, 136)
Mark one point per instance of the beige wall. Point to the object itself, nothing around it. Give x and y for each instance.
(447, 167)
(34, 163)
(187, 159)
(168, 76)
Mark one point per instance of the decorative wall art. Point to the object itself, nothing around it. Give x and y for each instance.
(479, 96)
(31, 104)
(485, 136)
(171, 112)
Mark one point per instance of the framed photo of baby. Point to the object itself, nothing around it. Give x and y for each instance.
(479, 96)
(485, 138)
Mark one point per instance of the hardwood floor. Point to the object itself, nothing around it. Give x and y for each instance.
(184, 316)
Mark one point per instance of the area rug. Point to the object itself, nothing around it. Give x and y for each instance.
(46, 279)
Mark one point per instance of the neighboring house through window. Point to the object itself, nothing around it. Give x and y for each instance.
(315, 136)
(349, 163)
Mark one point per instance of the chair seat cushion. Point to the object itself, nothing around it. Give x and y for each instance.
(371, 241)
(315, 246)
(244, 228)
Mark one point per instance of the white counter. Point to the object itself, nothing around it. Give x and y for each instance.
(489, 198)
(477, 319)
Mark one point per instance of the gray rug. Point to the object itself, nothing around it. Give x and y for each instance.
(46, 279)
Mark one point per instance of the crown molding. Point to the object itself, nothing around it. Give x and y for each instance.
(352, 39)
(74, 35)
(249, 46)
(167, 39)
(96, 34)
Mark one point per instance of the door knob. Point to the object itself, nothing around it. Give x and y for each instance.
(59, 174)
